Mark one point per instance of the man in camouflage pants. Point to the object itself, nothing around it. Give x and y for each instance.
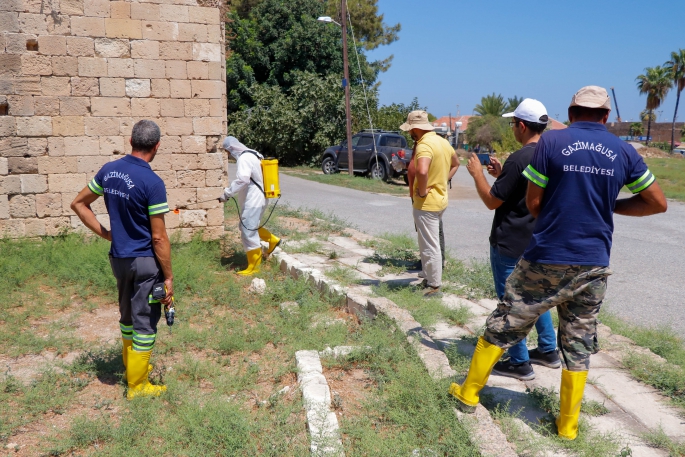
(574, 180)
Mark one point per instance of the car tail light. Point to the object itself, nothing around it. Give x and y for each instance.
(401, 153)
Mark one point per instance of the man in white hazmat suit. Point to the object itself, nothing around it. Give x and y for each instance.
(249, 185)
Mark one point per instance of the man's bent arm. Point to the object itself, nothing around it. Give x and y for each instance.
(81, 206)
(454, 166)
(162, 249)
(422, 166)
(649, 201)
(534, 199)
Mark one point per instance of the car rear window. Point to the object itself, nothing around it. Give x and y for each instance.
(395, 141)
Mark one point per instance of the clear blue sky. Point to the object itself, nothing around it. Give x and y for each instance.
(454, 52)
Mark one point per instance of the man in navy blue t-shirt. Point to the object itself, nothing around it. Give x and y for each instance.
(140, 254)
(574, 180)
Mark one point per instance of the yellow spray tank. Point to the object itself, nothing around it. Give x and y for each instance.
(272, 188)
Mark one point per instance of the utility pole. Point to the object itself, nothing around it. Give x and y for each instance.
(346, 85)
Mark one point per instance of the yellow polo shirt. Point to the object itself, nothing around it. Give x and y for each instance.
(440, 152)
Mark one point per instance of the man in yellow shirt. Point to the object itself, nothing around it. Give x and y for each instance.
(435, 162)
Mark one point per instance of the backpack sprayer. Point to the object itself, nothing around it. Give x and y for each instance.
(271, 189)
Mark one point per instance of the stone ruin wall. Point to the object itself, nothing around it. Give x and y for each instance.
(75, 75)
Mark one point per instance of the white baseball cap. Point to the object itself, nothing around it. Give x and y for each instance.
(530, 110)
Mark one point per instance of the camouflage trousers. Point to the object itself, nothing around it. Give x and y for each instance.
(533, 288)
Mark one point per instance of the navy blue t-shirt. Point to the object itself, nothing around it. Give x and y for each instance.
(133, 193)
(582, 169)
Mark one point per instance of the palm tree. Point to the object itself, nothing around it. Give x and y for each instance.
(677, 67)
(636, 129)
(513, 103)
(655, 83)
(493, 105)
(647, 115)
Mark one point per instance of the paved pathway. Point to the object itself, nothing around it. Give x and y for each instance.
(647, 255)
(633, 408)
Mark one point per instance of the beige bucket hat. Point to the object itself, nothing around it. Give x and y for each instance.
(592, 97)
(417, 120)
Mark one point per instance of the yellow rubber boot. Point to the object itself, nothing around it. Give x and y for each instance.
(484, 358)
(137, 376)
(124, 354)
(126, 344)
(270, 238)
(254, 258)
(571, 393)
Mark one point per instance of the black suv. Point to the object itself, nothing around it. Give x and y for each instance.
(365, 161)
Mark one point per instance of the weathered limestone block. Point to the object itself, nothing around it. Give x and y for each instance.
(96, 8)
(71, 182)
(58, 24)
(48, 164)
(184, 162)
(22, 206)
(33, 184)
(207, 52)
(112, 87)
(120, 68)
(10, 64)
(147, 68)
(18, 165)
(12, 228)
(4, 207)
(192, 32)
(85, 86)
(110, 145)
(92, 66)
(71, 7)
(176, 69)
(56, 225)
(13, 146)
(48, 205)
(191, 178)
(33, 23)
(108, 107)
(33, 64)
(55, 146)
(52, 45)
(208, 126)
(137, 88)
(74, 106)
(55, 85)
(46, 106)
(193, 218)
(112, 47)
(216, 178)
(196, 108)
(123, 28)
(120, 10)
(173, 13)
(68, 126)
(4, 168)
(34, 126)
(161, 31)
(145, 11)
(9, 21)
(175, 50)
(91, 164)
(64, 66)
(179, 88)
(159, 88)
(171, 107)
(20, 105)
(197, 70)
(80, 46)
(81, 146)
(144, 49)
(145, 107)
(88, 26)
(37, 147)
(179, 126)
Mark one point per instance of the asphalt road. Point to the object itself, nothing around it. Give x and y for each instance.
(646, 256)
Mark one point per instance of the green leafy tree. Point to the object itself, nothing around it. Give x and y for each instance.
(487, 130)
(492, 105)
(279, 37)
(676, 65)
(390, 117)
(297, 124)
(636, 129)
(655, 82)
(513, 103)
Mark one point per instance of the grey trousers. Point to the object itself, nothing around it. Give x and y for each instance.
(428, 229)
(139, 312)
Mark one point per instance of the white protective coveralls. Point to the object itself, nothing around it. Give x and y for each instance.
(250, 198)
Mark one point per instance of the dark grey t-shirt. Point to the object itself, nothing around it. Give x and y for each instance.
(513, 224)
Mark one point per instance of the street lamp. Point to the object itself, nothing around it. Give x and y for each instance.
(346, 80)
(457, 126)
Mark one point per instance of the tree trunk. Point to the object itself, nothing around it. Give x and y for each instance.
(649, 125)
(677, 100)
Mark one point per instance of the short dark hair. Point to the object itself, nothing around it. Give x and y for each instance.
(145, 135)
(590, 114)
(536, 127)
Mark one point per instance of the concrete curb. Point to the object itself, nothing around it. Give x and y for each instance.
(323, 426)
(488, 437)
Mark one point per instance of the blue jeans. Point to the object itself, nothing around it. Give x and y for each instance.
(502, 266)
